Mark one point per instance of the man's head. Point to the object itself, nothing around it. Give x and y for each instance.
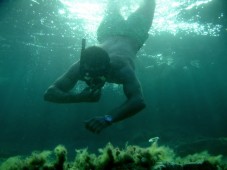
(94, 63)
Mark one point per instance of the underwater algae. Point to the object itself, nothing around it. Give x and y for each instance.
(132, 157)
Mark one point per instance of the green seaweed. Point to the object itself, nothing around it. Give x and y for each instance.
(131, 157)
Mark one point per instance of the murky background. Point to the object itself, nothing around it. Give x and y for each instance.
(182, 68)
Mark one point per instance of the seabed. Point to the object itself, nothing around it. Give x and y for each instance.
(131, 157)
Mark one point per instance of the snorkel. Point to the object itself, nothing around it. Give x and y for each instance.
(83, 45)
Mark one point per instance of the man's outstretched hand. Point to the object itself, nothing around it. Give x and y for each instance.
(97, 124)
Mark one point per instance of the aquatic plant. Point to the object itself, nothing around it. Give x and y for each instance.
(131, 157)
(37, 161)
(61, 156)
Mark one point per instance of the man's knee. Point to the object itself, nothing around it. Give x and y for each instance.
(150, 2)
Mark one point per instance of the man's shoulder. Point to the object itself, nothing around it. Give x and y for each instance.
(121, 72)
(119, 62)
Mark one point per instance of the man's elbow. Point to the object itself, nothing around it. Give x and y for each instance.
(140, 103)
(48, 95)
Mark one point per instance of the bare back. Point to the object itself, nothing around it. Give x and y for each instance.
(122, 52)
(119, 46)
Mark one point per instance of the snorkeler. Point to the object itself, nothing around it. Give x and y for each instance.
(111, 61)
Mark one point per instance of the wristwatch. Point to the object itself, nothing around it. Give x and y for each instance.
(108, 119)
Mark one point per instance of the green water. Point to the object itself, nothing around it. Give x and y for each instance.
(182, 69)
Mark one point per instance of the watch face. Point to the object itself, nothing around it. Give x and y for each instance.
(108, 118)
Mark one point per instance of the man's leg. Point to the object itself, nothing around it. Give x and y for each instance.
(144, 14)
(140, 21)
(111, 22)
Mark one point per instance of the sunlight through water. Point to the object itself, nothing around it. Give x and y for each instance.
(166, 15)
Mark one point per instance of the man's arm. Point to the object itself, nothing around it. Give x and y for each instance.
(133, 92)
(130, 107)
(60, 90)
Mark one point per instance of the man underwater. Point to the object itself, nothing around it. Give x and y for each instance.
(112, 61)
